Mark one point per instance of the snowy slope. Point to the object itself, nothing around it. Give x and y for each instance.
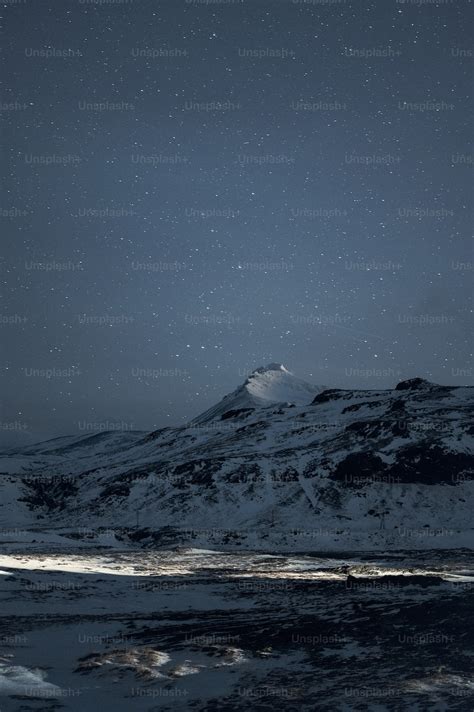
(350, 469)
(266, 386)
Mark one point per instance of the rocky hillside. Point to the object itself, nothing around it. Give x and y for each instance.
(348, 469)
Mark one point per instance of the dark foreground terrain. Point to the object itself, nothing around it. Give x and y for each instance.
(89, 628)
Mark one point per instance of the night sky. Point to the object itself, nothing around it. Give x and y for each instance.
(194, 189)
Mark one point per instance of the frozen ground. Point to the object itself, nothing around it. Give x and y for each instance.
(91, 627)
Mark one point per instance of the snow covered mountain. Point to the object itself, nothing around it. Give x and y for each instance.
(268, 467)
(264, 387)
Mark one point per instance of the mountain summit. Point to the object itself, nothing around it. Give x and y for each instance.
(268, 385)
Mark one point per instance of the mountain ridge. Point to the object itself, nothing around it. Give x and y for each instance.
(369, 463)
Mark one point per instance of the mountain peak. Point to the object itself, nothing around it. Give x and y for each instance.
(415, 384)
(268, 385)
(271, 367)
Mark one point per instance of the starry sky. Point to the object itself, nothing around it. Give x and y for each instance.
(194, 189)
